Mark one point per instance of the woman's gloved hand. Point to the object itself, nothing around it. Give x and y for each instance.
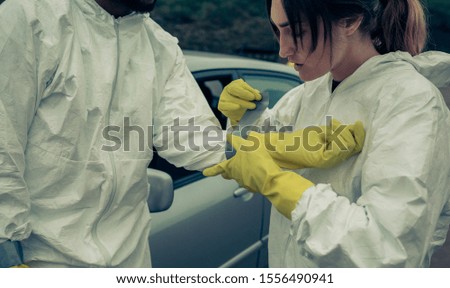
(315, 146)
(254, 169)
(236, 98)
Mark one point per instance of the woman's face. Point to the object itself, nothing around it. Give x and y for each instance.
(309, 65)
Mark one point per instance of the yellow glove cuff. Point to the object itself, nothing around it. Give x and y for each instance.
(20, 266)
(284, 190)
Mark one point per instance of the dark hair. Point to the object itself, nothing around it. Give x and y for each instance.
(392, 24)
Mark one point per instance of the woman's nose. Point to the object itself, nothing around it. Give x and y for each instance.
(287, 46)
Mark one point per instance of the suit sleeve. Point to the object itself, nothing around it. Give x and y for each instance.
(187, 132)
(17, 108)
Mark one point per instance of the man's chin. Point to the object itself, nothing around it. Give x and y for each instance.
(140, 6)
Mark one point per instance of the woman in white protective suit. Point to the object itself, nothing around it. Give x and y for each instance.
(82, 82)
(387, 206)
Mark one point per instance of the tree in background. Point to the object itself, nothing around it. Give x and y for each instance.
(439, 23)
(232, 26)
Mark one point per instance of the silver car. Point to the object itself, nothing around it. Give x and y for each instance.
(213, 222)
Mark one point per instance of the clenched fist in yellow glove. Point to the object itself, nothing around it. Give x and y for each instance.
(236, 98)
(253, 168)
(315, 146)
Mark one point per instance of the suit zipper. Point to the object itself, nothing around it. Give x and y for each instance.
(106, 255)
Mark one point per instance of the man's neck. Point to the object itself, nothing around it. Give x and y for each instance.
(115, 8)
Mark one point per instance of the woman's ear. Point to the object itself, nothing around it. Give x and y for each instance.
(350, 25)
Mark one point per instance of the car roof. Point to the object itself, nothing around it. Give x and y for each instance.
(201, 61)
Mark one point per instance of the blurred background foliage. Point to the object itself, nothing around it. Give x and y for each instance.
(438, 13)
(232, 26)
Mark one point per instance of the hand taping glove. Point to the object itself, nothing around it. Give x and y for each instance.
(236, 98)
(254, 169)
(315, 146)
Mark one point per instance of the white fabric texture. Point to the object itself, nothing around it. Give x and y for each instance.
(68, 70)
(389, 205)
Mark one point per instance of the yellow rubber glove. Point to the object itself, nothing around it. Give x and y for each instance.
(236, 98)
(315, 146)
(253, 168)
(20, 266)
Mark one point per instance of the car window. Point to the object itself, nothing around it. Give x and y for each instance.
(212, 87)
(275, 86)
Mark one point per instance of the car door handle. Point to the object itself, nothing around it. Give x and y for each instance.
(243, 193)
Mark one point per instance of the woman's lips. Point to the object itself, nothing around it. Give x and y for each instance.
(297, 66)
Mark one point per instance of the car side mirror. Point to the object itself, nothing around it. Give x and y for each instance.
(161, 190)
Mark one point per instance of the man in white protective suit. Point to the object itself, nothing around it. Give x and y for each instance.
(70, 69)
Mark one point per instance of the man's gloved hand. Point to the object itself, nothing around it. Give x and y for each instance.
(236, 98)
(254, 169)
(315, 146)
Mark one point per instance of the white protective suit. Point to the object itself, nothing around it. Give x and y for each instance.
(68, 70)
(389, 205)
